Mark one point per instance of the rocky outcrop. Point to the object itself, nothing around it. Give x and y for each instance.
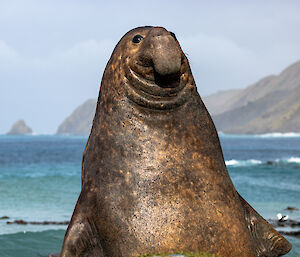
(221, 101)
(80, 121)
(20, 128)
(270, 105)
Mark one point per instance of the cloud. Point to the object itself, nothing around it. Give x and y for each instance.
(86, 55)
(9, 57)
(53, 53)
(218, 61)
(80, 59)
(213, 49)
(6, 51)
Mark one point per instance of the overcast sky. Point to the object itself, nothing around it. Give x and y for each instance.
(53, 53)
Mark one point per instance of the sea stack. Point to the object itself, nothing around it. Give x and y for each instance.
(20, 128)
(80, 121)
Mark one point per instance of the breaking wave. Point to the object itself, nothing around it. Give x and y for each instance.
(278, 134)
(243, 162)
(252, 162)
(290, 160)
(267, 135)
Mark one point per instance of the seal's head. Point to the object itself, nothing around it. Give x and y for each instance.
(156, 73)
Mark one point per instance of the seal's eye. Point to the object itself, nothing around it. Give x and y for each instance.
(137, 39)
(173, 35)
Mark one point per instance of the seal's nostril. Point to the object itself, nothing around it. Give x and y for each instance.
(173, 35)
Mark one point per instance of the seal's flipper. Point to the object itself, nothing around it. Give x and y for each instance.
(269, 243)
(82, 236)
(82, 240)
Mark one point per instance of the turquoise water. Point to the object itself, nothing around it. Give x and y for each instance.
(40, 179)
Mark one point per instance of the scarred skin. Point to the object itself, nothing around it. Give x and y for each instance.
(153, 173)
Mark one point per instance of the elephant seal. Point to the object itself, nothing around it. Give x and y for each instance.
(153, 172)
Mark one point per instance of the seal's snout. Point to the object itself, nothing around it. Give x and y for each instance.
(167, 55)
(162, 49)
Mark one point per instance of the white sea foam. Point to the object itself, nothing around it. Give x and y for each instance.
(250, 162)
(288, 160)
(294, 160)
(42, 134)
(267, 135)
(231, 162)
(278, 134)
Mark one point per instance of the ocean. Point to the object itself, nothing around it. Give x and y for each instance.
(40, 180)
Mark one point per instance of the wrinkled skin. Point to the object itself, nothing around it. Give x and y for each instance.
(153, 173)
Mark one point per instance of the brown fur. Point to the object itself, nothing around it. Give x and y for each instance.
(154, 177)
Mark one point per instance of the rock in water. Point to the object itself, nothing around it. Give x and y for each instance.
(80, 121)
(20, 128)
(153, 173)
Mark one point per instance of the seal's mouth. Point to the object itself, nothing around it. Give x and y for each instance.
(167, 81)
(149, 89)
(152, 82)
